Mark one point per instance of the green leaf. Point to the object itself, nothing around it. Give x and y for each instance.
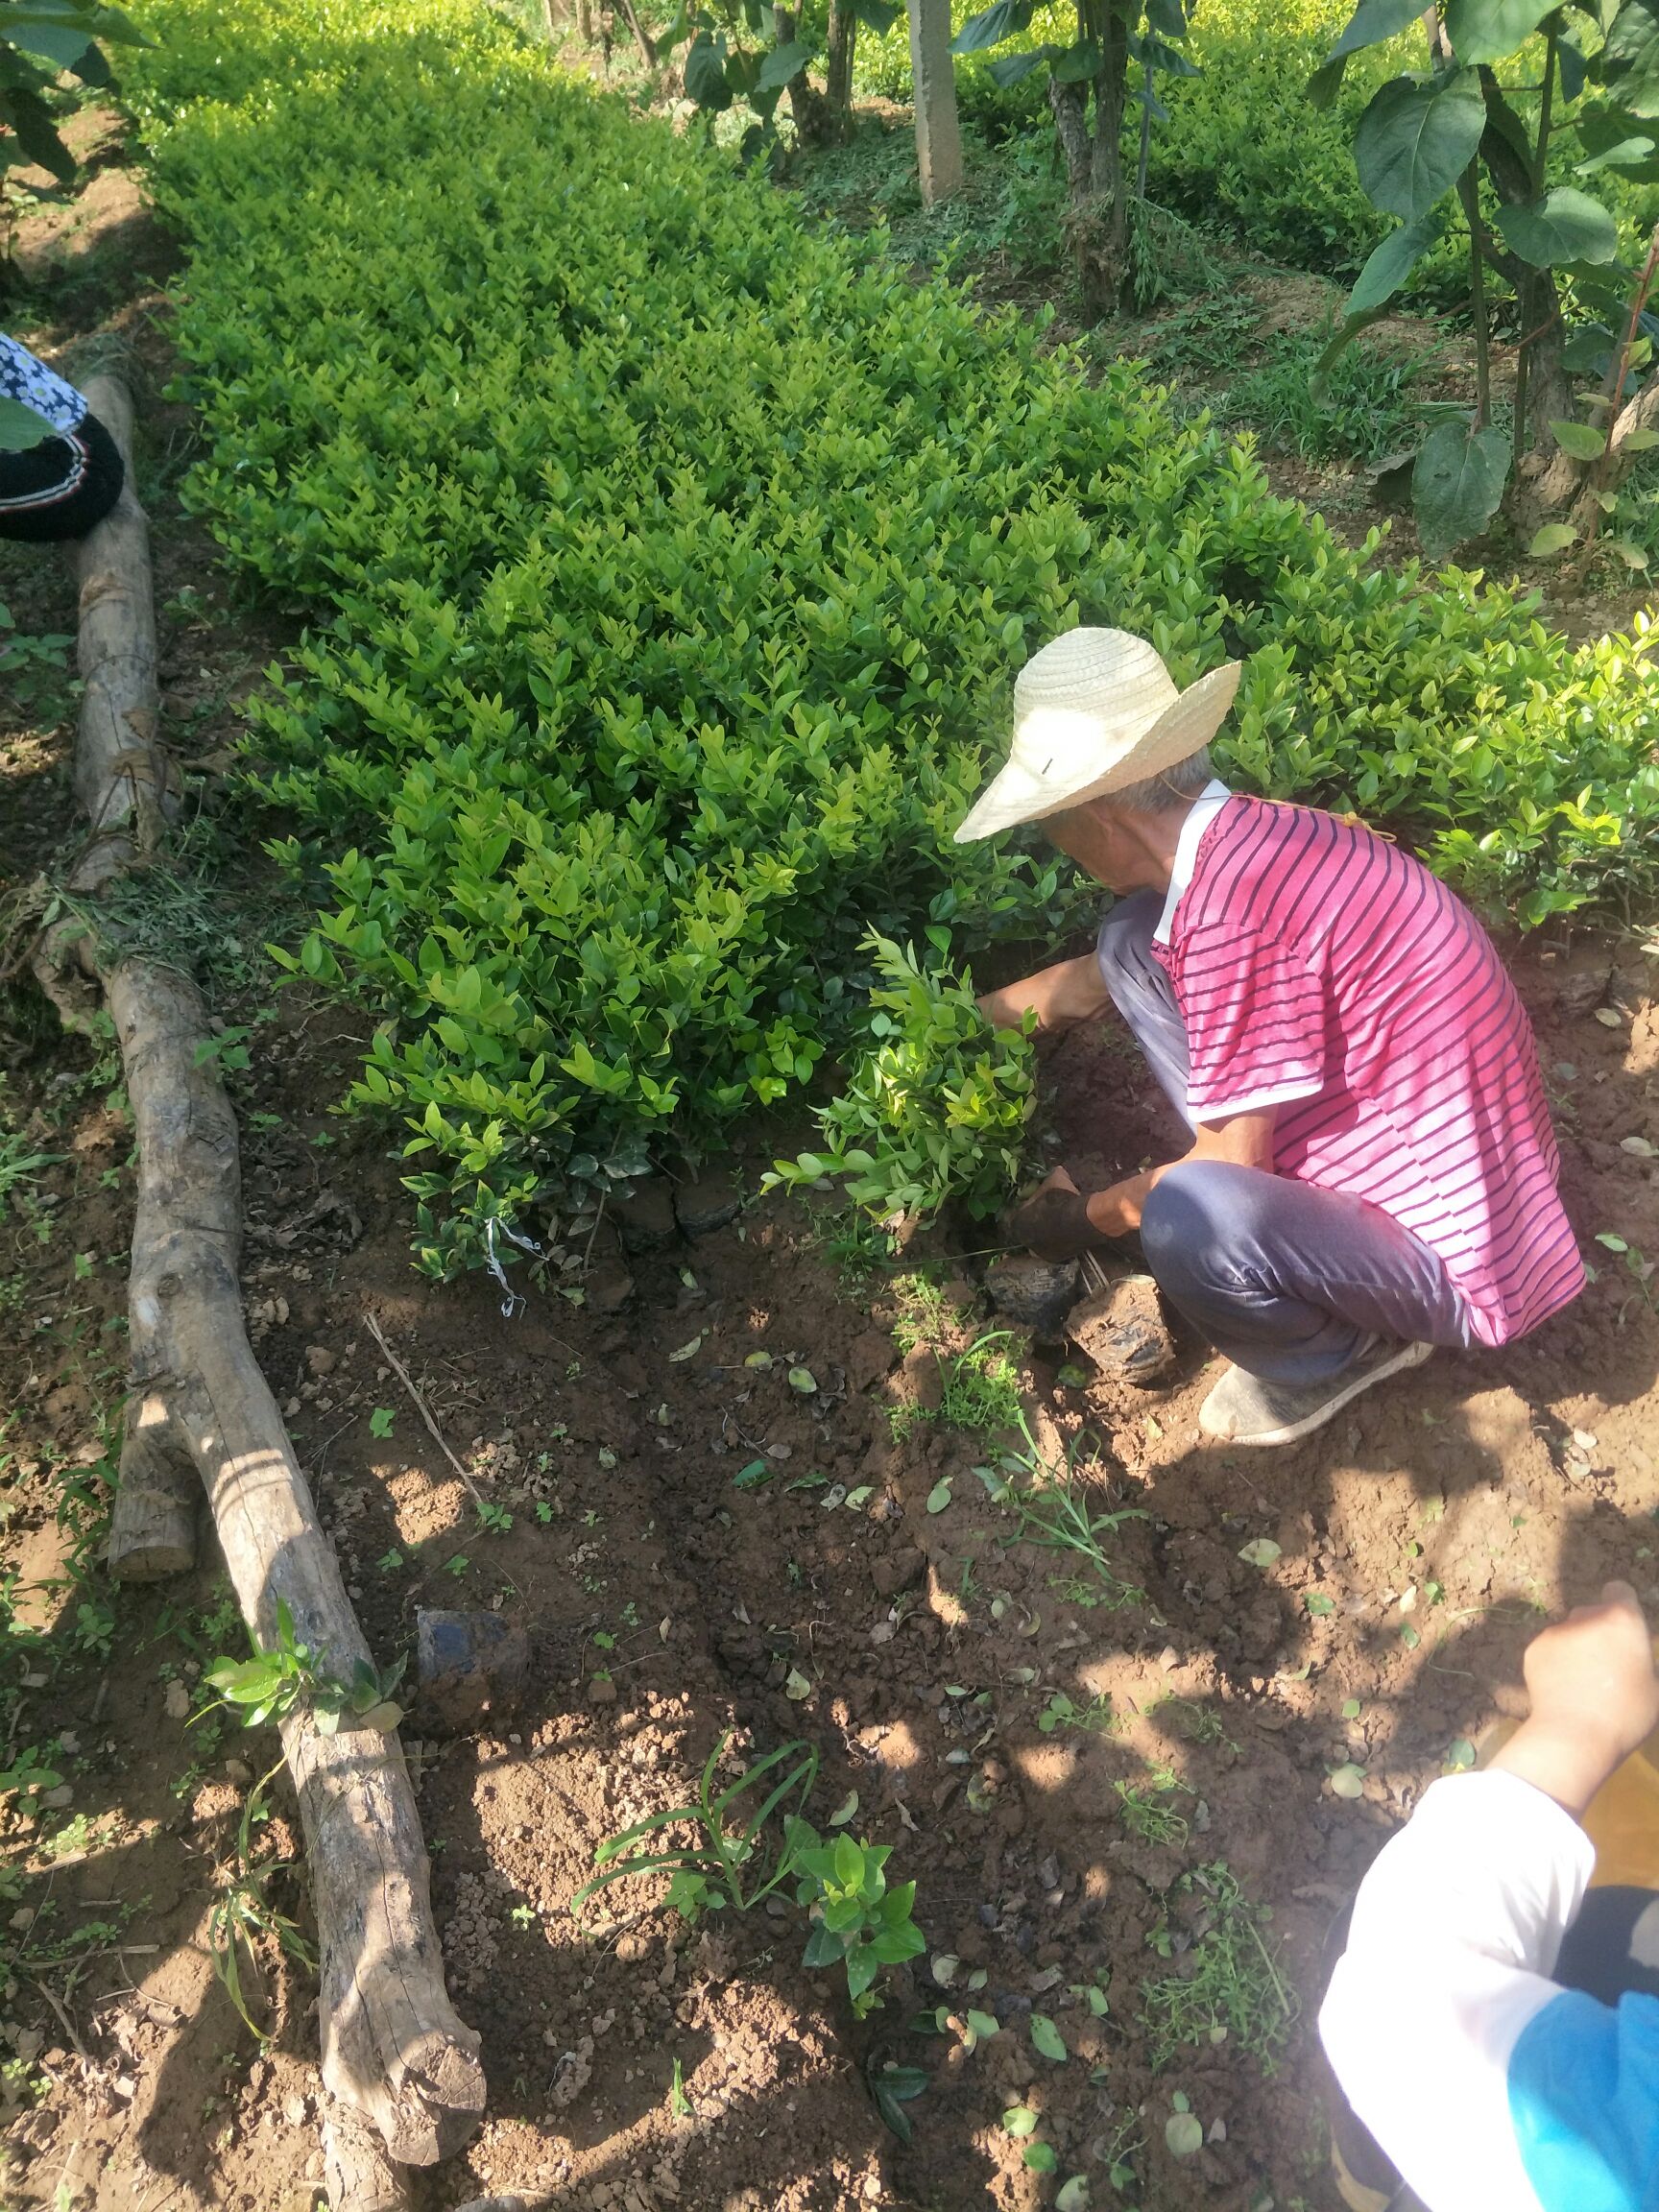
(1003, 20)
(939, 1497)
(1075, 2195)
(1013, 69)
(1373, 21)
(1020, 2120)
(1184, 2133)
(20, 427)
(878, 16)
(1461, 1755)
(803, 1380)
(782, 63)
(1629, 60)
(1047, 2038)
(1564, 225)
(1318, 1604)
(1491, 29)
(1077, 63)
(1623, 154)
(1553, 538)
(1390, 264)
(1626, 550)
(1580, 439)
(1348, 1781)
(704, 75)
(754, 1476)
(1456, 485)
(1040, 2157)
(1414, 141)
(1260, 1552)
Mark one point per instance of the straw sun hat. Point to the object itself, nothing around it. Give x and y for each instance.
(1094, 711)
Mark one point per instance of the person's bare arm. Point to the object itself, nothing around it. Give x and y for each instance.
(1243, 1140)
(1594, 1699)
(1070, 992)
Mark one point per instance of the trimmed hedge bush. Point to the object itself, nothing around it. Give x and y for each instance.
(671, 564)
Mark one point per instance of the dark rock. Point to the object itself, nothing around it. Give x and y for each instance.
(470, 1666)
(921, 1382)
(1035, 1293)
(900, 1570)
(647, 1220)
(1122, 1331)
(707, 1202)
(870, 1359)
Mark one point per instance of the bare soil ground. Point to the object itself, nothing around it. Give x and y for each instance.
(989, 1701)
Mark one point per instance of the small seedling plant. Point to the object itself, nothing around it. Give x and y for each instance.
(936, 1105)
(242, 1914)
(279, 1681)
(1229, 1987)
(747, 1851)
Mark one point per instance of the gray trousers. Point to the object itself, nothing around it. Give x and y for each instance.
(1288, 1280)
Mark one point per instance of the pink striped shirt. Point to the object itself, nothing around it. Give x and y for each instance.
(1323, 972)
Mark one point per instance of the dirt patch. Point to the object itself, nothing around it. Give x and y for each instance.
(1056, 1754)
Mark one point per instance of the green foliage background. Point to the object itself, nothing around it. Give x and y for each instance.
(668, 564)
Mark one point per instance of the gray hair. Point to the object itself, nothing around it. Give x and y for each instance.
(1161, 794)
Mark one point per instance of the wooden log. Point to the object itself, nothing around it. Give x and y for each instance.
(393, 2044)
(124, 778)
(359, 2176)
(153, 1526)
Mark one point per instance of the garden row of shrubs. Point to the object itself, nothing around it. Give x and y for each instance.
(667, 564)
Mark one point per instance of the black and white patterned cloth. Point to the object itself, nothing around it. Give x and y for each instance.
(25, 378)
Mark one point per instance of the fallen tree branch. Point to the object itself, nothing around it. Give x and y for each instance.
(420, 1403)
(394, 2049)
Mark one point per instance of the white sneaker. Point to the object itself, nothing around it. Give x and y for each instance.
(1245, 1409)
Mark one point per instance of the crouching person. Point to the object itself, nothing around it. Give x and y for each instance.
(1371, 1170)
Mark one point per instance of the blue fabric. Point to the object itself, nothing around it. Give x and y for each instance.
(1584, 2098)
(27, 379)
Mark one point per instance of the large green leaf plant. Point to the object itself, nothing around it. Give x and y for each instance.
(1518, 109)
(39, 39)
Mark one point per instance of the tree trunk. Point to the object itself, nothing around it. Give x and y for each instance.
(843, 36)
(391, 2044)
(1098, 217)
(641, 36)
(393, 2047)
(585, 21)
(805, 101)
(938, 133)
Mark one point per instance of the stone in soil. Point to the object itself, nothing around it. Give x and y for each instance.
(470, 1666)
(1122, 1331)
(707, 1202)
(1035, 1293)
(647, 1220)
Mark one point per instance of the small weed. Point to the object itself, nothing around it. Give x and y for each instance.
(1096, 1717)
(274, 1683)
(679, 2104)
(1054, 1513)
(1230, 1989)
(493, 1519)
(979, 1389)
(381, 1421)
(243, 1915)
(1196, 1724)
(1147, 1809)
(925, 1315)
(738, 1861)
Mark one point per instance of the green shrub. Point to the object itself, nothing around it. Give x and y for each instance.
(669, 565)
(936, 1105)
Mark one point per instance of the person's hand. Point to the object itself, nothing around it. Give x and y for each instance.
(1053, 1221)
(1594, 1699)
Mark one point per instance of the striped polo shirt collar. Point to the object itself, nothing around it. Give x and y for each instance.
(1199, 816)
